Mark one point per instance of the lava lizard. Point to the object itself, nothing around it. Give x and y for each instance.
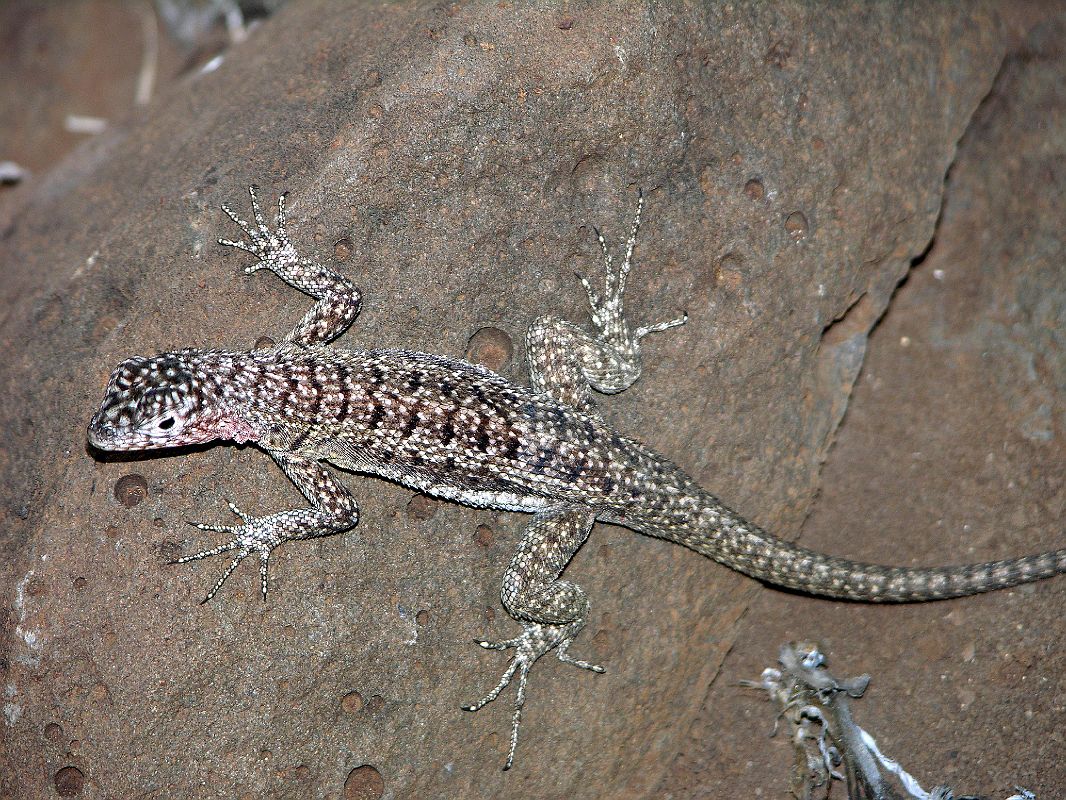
(458, 431)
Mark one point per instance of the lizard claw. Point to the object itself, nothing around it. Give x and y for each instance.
(644, 330)
(244, 226)
(233, 507)
(238, 245)
(521, 664)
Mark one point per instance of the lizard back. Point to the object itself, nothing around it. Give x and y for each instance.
(447, 427)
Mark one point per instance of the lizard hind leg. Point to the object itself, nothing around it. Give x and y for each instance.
(566, 361)
(552, 612)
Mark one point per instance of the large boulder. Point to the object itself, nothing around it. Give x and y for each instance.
(452, 160)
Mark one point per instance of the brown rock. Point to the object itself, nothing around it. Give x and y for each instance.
(476, 170)
(955, 426)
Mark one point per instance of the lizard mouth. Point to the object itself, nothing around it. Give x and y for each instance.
(104, 437)
(101, 435)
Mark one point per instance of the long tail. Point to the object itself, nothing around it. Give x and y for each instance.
(702, 523)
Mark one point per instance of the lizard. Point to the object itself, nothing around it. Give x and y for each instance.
(458, 431)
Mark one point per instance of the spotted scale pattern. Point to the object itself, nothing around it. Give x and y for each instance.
(460, 432)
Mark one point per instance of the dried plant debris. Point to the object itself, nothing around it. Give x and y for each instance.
(12, 173)
(191, 21)
(828, 744)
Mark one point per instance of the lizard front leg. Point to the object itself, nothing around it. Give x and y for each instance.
(338, 300)
(552, 612)
(332, 510)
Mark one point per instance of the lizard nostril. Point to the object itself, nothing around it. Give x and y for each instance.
(167, 424)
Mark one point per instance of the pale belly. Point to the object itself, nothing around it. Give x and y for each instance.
(478, 497)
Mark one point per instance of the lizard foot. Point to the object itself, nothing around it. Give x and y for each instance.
(536, 640)
(272, 247)
(606, 310)
(255, 534)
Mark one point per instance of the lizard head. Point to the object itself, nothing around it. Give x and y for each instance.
(163, 401)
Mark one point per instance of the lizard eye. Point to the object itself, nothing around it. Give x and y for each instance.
(167, 424)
